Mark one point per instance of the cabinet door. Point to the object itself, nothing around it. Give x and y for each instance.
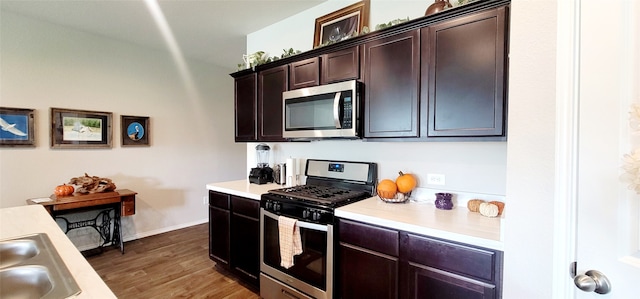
(245, 238)
(305, 73)
(391, 77)
(219, 221)
(368, 262)
(245, 108)
(425, 282)
(366, 274)
(466, 71)
(271, 84)
(341, 65)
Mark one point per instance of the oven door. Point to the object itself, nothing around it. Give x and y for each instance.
(312, 272)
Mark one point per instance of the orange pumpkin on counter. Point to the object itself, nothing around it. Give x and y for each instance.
(387, 189)
(406, 182)
(63, 190)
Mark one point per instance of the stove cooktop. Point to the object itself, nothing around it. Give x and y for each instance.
(319, 194)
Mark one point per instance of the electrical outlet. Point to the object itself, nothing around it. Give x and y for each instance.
(435, 179)
(204, 200)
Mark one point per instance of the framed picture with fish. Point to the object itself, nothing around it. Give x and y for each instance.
(17, 127)
(80, 128)
(135, 130)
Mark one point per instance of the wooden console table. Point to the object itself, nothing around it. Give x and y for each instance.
(121, 202)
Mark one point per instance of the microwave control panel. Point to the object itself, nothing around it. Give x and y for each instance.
(347, 121)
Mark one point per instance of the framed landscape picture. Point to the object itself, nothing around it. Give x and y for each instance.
(80, 128)
(341, 24)
(135, 130)
(17, 127)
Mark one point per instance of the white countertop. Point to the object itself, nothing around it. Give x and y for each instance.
(243, 188)
(417, 217)
(25, 220)
(423, 218)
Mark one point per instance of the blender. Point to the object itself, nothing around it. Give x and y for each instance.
(261, 174)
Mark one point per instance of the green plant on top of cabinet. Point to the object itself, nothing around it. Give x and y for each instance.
(391, 75)
(464, 75)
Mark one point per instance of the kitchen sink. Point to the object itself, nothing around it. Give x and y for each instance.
(30, 267)
(16, 251)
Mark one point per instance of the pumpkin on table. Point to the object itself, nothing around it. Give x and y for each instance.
(63, 190)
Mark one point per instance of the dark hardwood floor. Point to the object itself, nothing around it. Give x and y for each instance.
(175, 264)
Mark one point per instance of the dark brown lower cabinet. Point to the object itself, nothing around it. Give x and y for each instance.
(368, 264)
(425, 282)
(378, 262)
(367, 274)
(219, 224)
(234, 235)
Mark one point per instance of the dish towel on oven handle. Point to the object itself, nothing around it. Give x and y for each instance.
(290, 240)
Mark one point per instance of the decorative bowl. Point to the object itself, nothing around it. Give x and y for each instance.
(399, 198)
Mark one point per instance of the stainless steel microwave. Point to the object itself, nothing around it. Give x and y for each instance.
(326, 111)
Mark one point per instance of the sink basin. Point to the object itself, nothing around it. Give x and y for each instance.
(30, 267)
(16, 251)
(25, 282)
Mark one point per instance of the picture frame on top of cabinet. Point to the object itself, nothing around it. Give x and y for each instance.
(135, 130)
(341, 24)
(17, 127)
(80, 129)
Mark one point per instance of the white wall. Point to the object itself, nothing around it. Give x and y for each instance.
(46, 65)
(529, 227)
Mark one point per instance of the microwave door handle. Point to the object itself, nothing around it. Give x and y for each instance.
(336, 111)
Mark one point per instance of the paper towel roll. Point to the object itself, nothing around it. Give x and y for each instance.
(292, 170)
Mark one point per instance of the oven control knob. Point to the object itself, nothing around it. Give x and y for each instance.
(306, 214)
(269, 205)
(277, 207)
(316, 216)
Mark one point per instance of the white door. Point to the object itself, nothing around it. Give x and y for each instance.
(608, 213)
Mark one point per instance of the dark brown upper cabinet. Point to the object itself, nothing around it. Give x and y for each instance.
(271, 84)
(305, 73)
(391, 75)
(441, 77)
(464, 75)
(245, 108)
(341, 65)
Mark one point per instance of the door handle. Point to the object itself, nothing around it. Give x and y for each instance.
(593, 281)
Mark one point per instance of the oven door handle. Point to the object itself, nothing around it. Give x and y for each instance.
(299, 223)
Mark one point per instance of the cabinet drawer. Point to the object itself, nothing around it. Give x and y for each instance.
(219, 200)
(461, 259)
(128, 206)
(368, 236)
(245, 206)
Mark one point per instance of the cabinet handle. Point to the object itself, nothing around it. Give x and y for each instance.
(336, 110)
(289, 295)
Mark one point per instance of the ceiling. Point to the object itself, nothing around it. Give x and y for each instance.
(209, 30)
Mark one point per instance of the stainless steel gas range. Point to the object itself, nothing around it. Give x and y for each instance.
(330, 184)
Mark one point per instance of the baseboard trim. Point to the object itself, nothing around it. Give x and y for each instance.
(149, 233)
(164, 230)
